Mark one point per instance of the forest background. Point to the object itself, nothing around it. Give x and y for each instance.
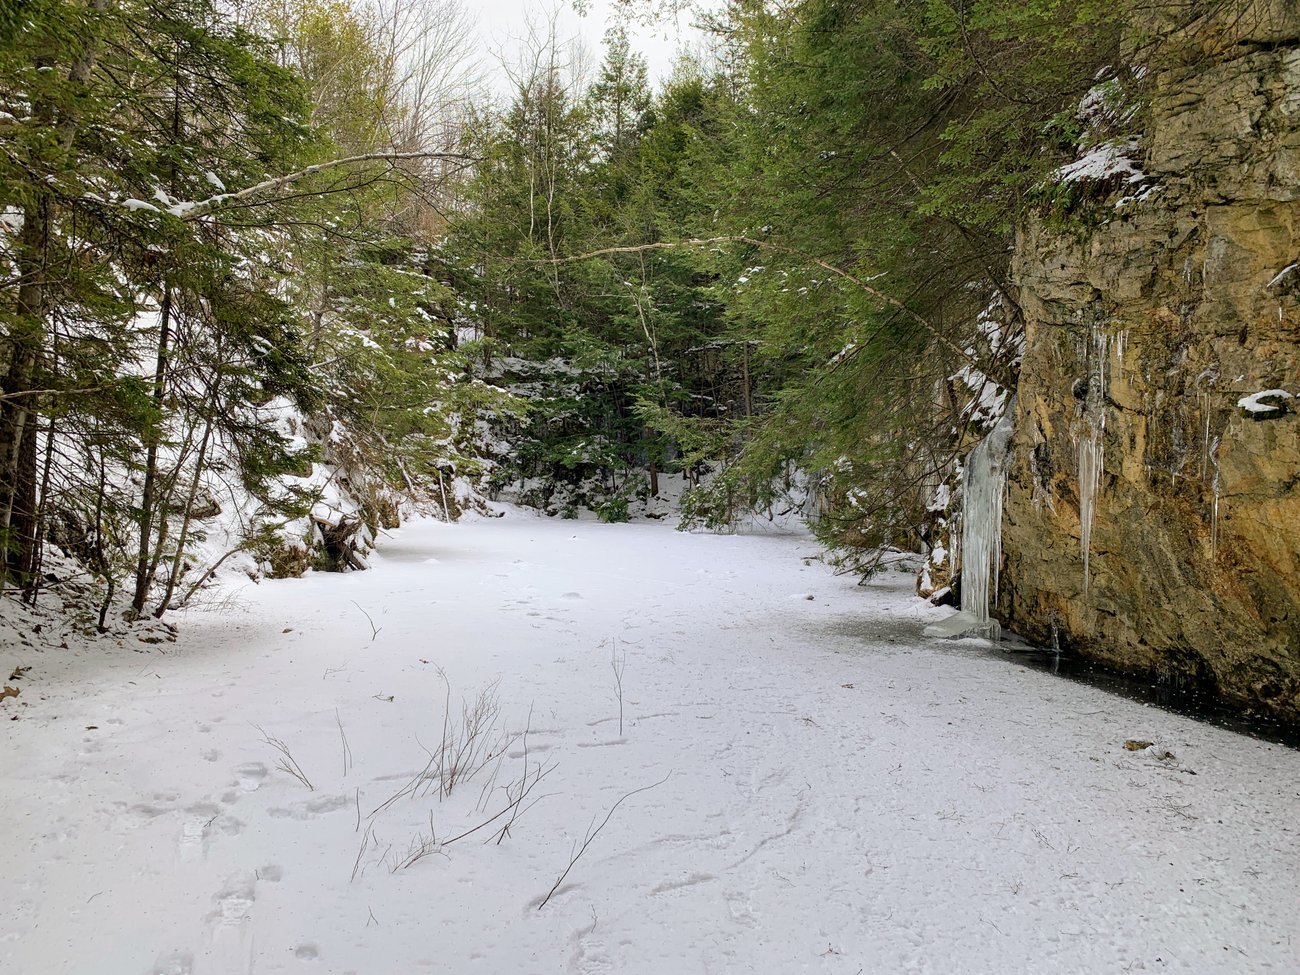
(272, 271)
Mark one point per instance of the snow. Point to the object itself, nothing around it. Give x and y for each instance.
(1258, 402)
(988, 400)
(1112, 158)
(830, 791)
(1282, 275)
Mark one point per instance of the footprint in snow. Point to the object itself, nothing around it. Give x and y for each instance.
(141, 814)
(230, 943)
(591, 958)
(740, 907)
(250, 776)
(193, 842)
(174, 963)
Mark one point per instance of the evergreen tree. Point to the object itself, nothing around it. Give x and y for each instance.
(893, 145)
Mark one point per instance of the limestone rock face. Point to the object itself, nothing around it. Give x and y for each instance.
(1141, 337)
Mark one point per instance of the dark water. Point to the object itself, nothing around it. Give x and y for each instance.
(1192, 702)
(1200, 703)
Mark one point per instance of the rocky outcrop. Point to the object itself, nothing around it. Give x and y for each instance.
(1150, 521)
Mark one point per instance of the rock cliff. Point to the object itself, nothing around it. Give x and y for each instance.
(1150, 520)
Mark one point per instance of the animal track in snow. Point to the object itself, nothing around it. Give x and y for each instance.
(717, 841)
(689, 881)
(312, 807)
(533, 749)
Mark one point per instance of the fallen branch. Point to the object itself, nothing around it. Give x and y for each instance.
(374, 630)
(347, 749)
(593, 833)
(541, 772)
(211, 571)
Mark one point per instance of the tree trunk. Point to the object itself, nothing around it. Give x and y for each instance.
(148, 501)
(179, 559)
(17, 416)
(749, 396)
(42, 510)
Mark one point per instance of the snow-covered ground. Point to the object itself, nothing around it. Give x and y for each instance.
(830, 791)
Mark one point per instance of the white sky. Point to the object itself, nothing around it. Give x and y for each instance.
(501, 23)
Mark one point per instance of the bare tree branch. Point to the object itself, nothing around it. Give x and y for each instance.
(22, 393)
(593, 833)
(204, 208)
(934, 331)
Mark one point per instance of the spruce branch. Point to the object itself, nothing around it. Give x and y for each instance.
(935, 332)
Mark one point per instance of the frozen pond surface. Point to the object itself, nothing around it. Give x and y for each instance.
(830, 790)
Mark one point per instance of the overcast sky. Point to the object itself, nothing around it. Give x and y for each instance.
(501, 23)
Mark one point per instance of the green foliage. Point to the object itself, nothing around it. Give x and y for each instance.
(125, 128)
(899, 142)
(874, 154)
(613, 510)
(566, 172)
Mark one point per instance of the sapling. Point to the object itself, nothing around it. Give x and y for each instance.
(617, 662)
(286, 762)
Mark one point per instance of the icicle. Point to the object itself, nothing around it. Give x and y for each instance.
(1092, 450)
(983, 486)
(1205, 440)
(1214, 508)
(1121, 346)
(1214, 522)
(1091, 464)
